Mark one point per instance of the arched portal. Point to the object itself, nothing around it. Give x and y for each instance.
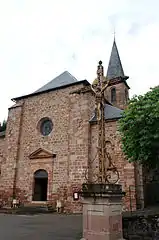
(40, 185)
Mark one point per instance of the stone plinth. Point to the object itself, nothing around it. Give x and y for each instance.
(102, 212)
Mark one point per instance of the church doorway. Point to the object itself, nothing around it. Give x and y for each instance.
(40, 185)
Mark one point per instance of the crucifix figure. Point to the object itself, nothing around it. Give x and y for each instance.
(106, 167)
(99, 85)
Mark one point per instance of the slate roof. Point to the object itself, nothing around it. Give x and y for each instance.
(110, 113)
(115, 68)
(62, 80)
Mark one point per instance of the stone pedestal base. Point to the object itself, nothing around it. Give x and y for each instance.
(102, 213)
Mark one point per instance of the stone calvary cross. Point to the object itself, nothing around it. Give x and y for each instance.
(102, 200)
(107, 171)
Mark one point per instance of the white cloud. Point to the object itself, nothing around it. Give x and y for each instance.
(41, 39)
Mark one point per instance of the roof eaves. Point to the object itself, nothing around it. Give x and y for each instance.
(85, 82)
(117, 80)
(91, 121)
(15, 105)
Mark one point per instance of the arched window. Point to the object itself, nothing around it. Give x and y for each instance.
(113, 95)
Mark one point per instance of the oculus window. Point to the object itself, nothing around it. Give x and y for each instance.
(46, 126)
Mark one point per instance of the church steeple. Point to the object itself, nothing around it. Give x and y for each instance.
(118, 91)
(115, 69)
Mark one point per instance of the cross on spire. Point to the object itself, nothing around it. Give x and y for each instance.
(114, 32)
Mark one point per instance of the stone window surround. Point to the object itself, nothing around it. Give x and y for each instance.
(40, 126)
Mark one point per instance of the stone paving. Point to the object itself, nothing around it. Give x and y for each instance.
(40, 227)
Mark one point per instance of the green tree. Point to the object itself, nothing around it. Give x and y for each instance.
(3, 126)
(139, 129)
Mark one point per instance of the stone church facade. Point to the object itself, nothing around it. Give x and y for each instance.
(51, 135)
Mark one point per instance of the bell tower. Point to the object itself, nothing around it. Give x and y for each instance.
(118, 91)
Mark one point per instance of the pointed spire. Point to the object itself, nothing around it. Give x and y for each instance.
(115, 68)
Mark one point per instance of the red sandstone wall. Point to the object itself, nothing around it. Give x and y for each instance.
(68, 140)
(73, 140)
(11, 148)
(120, 95)
(126, 170)
(81, 109)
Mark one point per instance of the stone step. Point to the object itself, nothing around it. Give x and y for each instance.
(27, 209)
(36, 203)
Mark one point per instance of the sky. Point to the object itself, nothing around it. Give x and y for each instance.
(42, 38)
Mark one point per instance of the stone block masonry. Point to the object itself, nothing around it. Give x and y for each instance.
(72, 142)
(102, 218)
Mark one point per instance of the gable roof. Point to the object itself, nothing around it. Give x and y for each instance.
(63, 79)
(110, 113)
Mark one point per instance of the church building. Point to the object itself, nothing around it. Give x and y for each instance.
(51, 136)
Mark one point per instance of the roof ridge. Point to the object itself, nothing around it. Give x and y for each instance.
(62, 79)
(72, 75)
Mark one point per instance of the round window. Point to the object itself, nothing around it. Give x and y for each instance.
(46, 126)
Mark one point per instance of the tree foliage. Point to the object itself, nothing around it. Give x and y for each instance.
(3, 126)
(139, 128)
